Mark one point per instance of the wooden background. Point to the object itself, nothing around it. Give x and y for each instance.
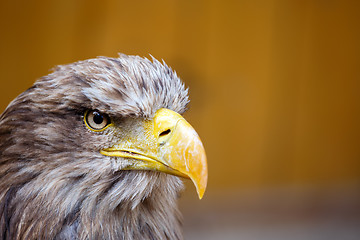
(274, 84)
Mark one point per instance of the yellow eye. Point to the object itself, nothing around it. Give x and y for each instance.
(96, 120)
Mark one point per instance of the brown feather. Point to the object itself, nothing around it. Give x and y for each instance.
(54, 183)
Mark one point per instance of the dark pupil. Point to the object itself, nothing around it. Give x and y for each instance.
(98, 118)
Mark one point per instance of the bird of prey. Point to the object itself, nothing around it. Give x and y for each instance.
(95, 149)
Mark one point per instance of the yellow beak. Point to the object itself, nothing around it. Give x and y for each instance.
(167, 143)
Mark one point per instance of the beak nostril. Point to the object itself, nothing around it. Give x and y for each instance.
(164, 133)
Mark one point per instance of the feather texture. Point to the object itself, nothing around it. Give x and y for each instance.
(54, 183)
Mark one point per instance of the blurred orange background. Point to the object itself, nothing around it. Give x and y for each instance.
(275, 97)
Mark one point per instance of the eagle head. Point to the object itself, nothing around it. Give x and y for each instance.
(95, 150)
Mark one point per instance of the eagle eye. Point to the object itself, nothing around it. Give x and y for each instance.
(96, 120)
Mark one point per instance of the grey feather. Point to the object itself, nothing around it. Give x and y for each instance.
(54, 183)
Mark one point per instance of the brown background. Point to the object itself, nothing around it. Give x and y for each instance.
(275, 90)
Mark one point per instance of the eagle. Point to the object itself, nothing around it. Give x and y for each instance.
(98, 149)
